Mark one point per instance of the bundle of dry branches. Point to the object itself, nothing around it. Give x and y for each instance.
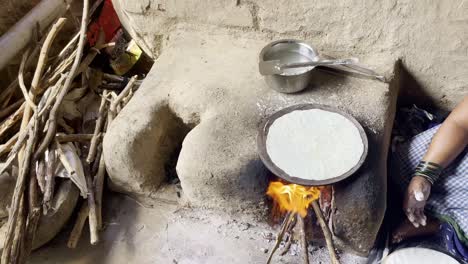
(41, 144)
(287, 227)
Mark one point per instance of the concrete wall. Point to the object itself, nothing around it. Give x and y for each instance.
(431, 37)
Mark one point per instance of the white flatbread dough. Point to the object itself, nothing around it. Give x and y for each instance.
(314, 144)
(418, 256)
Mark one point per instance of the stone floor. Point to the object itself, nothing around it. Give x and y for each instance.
(169, 233)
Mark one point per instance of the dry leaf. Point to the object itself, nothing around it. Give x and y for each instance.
(78, 178)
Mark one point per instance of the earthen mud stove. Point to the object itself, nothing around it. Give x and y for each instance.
(213, 103)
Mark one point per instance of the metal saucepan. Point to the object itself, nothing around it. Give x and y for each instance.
(295, 52)
(289, 51)
(263, 133)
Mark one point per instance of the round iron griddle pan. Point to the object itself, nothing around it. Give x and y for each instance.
(262, 136)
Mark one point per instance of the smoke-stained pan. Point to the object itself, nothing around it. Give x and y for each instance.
(262, 136)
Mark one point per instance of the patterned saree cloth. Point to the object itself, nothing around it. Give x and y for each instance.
(449, 195)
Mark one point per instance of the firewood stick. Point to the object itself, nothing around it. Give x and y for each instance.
(79, 224)
(19, 232)
(40, 174)
(53, 94)
(18, 145)
(43, 54)
(326, 233)
(23, 133)
(127, 99)
(33, 218)
(92, 216)
(303, 239)
(70, 44)
(290, 238)
(113, 77)
(60, 69)
(11, 121)
(289, 217)
(18, 191)
(97, 129)
(5, 148)
(75, 137)
(11, 108)
(68, 81)
(95, 165)
(99, 184)
(287, 246)
(67, 47)
(21, 81)
(50, 162)
(100, 43)
(116, 101)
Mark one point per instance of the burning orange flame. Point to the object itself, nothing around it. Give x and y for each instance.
(293, 197)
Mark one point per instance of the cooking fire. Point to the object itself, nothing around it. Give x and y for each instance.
(294, 200)
(308, 146)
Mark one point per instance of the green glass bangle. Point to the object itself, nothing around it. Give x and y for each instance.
(429, 170)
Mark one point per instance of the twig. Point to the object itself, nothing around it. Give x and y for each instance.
(50, 162)
(79, 224)
(10, 109)
(21, 81)
(66, 87)
(100, 43)
(290, 238)
(75, 137)
(289, 217)
(127, 98)
(113, 77)
(326, 233)
(11, 121)
(97, 129)
(18, 240)
(303, 240)
(23, 133)
(287, 246)
(70, 44)
(33, 218)
(5, 148)
(40, 175)
(99, 184)
(53, 93)
(16, 148)
(40, 68)
(18, 192)
(116, 102)
(67, 47)
(60, 69)
(92, 216)
(95, 165)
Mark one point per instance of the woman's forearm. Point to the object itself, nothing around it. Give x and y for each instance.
(451, 138)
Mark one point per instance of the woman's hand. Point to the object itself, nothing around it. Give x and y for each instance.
(416, 196)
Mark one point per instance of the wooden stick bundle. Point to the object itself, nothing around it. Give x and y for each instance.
(36, 146)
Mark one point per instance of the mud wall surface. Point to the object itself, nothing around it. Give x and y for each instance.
(430, 36)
